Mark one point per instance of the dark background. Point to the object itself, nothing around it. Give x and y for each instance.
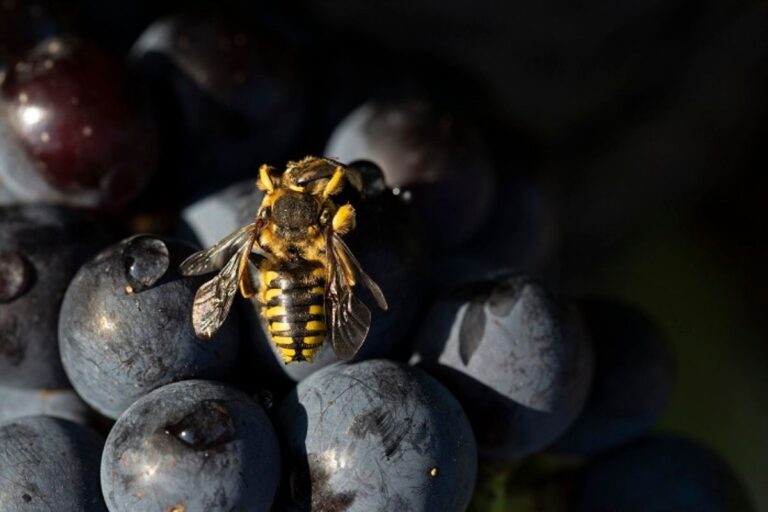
(645, 123)
(640, 128)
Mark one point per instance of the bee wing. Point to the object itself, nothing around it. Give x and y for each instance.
(208, 260)
(314, 169)
(351, 174)
(344, 255)
(213, 299)
(349, 319)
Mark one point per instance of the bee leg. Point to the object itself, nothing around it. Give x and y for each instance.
(244, 275)
(344, 219)
(249, 285)
(265, 180)
(335, 183)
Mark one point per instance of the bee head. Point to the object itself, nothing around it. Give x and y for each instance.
(294, 210)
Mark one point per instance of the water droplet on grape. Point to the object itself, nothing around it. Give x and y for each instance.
(146, 261)
(16, 275)
(208, 426)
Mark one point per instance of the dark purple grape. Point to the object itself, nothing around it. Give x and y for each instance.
(126, 325)
(438, 158)
(522, 230)
(659, 474)
(228, 92)
(49, 464)
(634, 376)
(71, 132)
(191, 446)
(41, 248)
(517, 359)
(61, 403)
(375, 435)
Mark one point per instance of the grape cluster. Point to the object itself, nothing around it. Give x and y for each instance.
(480, 388)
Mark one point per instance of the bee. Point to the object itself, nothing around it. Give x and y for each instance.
(293, 261)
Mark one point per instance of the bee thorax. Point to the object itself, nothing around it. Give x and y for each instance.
(295, 211)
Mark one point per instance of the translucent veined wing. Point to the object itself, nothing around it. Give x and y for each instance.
(348, 318)
(214, 298)
(208, 260)
(312, 169)
(343, 254)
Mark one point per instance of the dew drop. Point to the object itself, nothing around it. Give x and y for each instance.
(209, 425)
(146, 260)
(16, 275)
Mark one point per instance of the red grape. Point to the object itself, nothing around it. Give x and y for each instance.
(69, 106)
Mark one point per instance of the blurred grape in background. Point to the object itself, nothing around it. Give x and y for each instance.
(573, 242)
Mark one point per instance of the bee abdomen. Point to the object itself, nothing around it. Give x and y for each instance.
(294, 310)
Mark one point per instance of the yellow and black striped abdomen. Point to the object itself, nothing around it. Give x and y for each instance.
(294, 309)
